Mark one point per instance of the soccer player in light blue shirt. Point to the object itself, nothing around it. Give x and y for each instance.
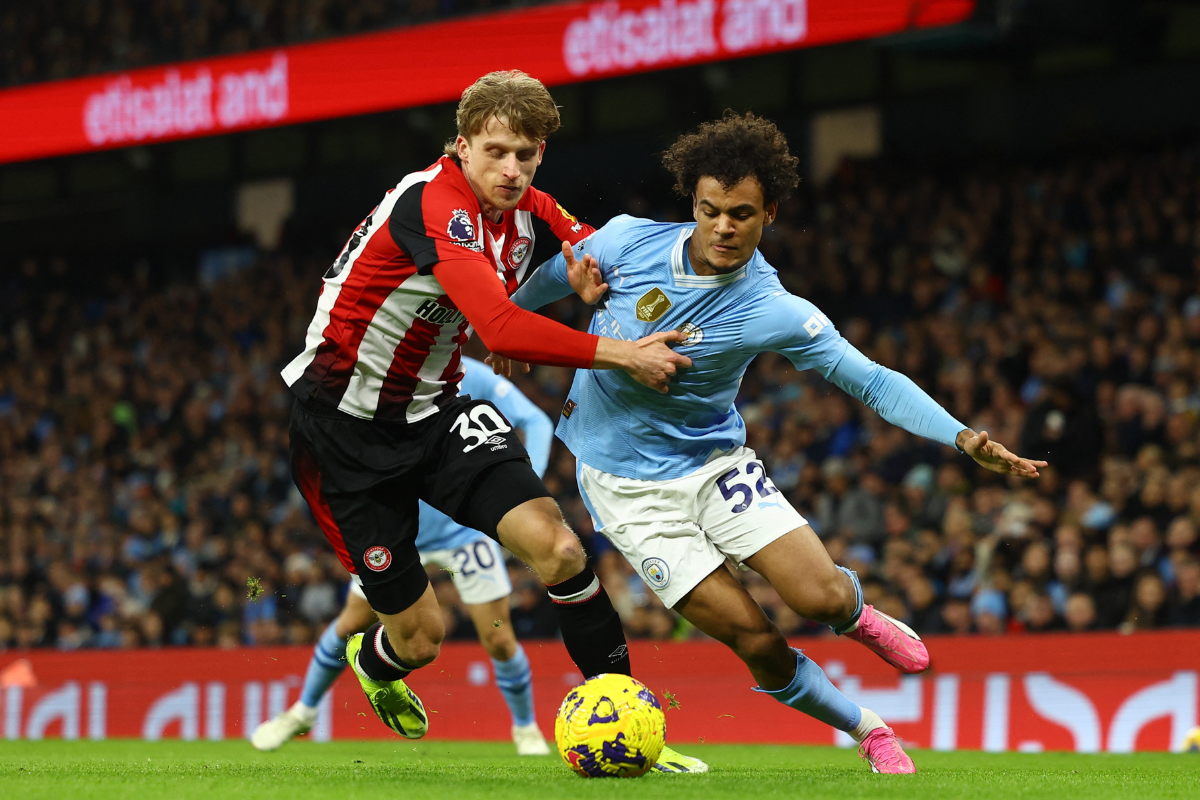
(476, 567)
(668, 479)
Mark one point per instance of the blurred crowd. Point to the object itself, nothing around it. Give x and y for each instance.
(52, 39)
(143, 427)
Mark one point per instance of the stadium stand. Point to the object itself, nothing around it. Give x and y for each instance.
(143, 422)
(67, 38)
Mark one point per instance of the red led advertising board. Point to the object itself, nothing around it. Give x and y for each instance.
(1100, 692)
(430, 63)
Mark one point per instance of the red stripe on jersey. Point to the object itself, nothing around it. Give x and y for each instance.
(308, 476)
(369, 285)
(456, 360)
(410, 354)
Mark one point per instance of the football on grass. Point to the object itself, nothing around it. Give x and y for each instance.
(610, 726)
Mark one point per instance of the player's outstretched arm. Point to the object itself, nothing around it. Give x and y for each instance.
(518, 334)
(994, 456)
(797, 329)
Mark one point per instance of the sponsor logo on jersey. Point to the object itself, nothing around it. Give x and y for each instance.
(652, 305)
(518, 251)
(656, 572)
(461, 230)
(569, 408)
(693, 333)
(432, 311)
(377, 558)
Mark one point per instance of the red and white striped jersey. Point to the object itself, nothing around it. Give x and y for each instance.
(385, 342)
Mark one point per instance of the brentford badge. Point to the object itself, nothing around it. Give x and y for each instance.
(378, 558)
(520, 249)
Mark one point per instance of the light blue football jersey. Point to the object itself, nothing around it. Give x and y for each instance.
(436, 531)
(614, 424)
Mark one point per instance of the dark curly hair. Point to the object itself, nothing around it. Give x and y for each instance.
(731, 149)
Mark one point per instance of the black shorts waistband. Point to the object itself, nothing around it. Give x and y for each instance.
(322, 409)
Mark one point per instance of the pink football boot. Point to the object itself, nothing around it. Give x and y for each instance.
(892, 640)
(882, 751)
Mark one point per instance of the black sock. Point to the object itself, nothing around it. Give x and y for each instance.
(377, 659)
(590, 627)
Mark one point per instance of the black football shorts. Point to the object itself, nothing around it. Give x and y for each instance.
(362, 480)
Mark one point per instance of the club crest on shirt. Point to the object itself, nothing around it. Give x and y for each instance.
(518, 251)
(461, 230)
(652, 305)
(656, 572)
(693, 332)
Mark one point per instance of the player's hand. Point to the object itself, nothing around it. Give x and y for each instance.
(501, 365)
(653, 363)
(996, 457)
(584, 275)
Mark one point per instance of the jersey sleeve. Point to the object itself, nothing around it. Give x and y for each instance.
(810, 341)
(506, 329)
(563, 225)
(796, 328)
(435, 222)
(518, 409)
(549, 281)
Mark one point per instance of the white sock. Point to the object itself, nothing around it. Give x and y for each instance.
(870, 721)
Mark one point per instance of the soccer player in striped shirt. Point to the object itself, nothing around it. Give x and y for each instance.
(476, 568)
(378, 423)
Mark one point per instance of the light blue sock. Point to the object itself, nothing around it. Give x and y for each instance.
(858, 607)
(813, 693)
(327, 662)
(515, 681)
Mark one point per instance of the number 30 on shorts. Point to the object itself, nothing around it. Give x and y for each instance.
(729, 490)
(478, 425)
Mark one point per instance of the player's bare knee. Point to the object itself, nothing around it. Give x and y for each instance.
(499, 643)
(566, 557)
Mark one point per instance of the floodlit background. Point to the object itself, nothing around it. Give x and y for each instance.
(1001, 200)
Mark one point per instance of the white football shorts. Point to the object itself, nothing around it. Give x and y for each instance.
(477, 570)
(676, 532)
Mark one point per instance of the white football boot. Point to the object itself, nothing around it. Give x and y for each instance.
(275, 733)
(529, 740)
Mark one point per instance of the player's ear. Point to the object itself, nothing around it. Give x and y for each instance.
(462, 146)
(770, 212)
(695, 207)
(541, 152)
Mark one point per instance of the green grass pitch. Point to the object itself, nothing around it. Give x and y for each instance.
(402, 770)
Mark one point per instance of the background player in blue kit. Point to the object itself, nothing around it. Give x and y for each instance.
(477, 568)
(668, 479)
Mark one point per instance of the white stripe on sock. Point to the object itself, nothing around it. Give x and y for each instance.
(383, 653)
(591, 591)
